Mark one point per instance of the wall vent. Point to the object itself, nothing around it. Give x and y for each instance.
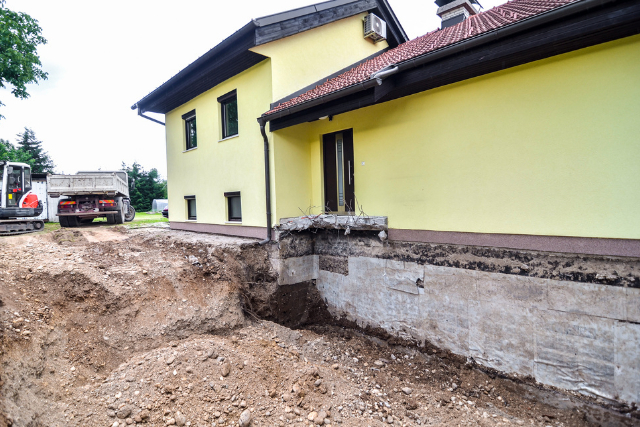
(374, 28)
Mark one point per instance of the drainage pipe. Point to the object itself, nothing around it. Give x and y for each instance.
(267, 180)
(148, 118)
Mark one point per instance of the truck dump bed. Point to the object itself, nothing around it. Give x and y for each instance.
(85, 183)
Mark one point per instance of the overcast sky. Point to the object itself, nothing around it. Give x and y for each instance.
(102, 57)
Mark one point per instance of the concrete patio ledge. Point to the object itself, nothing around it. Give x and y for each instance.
(332, 221)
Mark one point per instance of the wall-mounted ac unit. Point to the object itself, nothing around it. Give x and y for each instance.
(374, 28)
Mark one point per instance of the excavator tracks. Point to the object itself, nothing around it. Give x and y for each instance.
(20, 226)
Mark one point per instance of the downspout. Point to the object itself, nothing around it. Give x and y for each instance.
(267, 179)
(386, 71)
(377, 78)
(146, 117)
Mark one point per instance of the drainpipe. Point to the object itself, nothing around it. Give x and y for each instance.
(146, 117)
(376, 78)
(267, 180)
(386, 71)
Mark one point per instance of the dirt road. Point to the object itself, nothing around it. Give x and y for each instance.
(112, 327)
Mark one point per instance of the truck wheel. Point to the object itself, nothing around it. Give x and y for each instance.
(119, 216)
(63, 221)
(72, 221)
(131, 214)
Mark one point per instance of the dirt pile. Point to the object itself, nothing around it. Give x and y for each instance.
(106, 327)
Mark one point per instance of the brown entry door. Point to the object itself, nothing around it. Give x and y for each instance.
(338, 171)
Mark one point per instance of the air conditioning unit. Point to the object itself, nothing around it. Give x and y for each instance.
(374, 28)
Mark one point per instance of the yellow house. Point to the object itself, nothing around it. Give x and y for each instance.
(215, 157)
(477, 188)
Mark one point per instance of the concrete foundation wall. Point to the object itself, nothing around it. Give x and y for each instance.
(574, 335)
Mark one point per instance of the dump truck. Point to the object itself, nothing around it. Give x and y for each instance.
(92, 194)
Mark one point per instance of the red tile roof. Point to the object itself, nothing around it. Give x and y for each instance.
(499, 16)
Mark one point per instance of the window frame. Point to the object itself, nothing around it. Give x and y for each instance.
(224, 100)
(229, 196)
(188, 119)
(188, 199)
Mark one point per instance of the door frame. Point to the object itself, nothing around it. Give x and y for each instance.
(331, 169)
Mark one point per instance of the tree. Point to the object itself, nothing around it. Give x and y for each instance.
(20, 64)
(9, 152)
(144, 186)
(40, 160)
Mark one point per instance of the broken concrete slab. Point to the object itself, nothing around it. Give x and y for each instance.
(336, 222)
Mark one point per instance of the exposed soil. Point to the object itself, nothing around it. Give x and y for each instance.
(103, 326)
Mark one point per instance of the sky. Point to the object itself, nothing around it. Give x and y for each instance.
(102, 57)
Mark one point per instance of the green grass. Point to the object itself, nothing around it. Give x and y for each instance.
(142, 219)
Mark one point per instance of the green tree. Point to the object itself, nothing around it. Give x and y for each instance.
(20, 64)
(144, 186)
(40, 162)
(9, 152)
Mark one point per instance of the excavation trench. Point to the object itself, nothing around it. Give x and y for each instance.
(156, 327)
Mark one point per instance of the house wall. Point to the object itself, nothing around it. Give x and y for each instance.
(548, 148)
(307, 57)
(217, 166)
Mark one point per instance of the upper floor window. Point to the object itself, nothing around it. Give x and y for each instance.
(190, 129)
(229, 112)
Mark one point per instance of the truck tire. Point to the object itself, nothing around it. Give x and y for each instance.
(131, 214)
(72, 221)
(63, 221)
(119, 216)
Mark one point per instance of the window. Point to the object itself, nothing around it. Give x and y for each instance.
(190, 129)
(229, 112)
(191, 207)
(27, 179)
(234, 209)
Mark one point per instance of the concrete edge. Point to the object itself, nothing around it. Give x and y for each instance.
(229, 230)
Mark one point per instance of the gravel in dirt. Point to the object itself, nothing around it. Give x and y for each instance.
(147, 327)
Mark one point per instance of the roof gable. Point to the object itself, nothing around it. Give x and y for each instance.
(232, 55)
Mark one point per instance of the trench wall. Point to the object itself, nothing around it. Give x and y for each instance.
(567, 320)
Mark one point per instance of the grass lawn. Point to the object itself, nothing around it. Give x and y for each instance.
(140, 220)
(143, 218)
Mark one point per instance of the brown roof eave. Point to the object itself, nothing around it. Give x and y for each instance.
(488, 37)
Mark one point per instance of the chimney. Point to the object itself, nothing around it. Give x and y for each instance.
(453, 12)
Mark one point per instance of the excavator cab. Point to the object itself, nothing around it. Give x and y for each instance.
(18, 183)
(17, 202)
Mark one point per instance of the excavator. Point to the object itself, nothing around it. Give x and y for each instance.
(20, 205)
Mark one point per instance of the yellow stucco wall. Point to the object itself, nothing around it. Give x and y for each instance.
(547, 148)
(302, 59)
(215, 167)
